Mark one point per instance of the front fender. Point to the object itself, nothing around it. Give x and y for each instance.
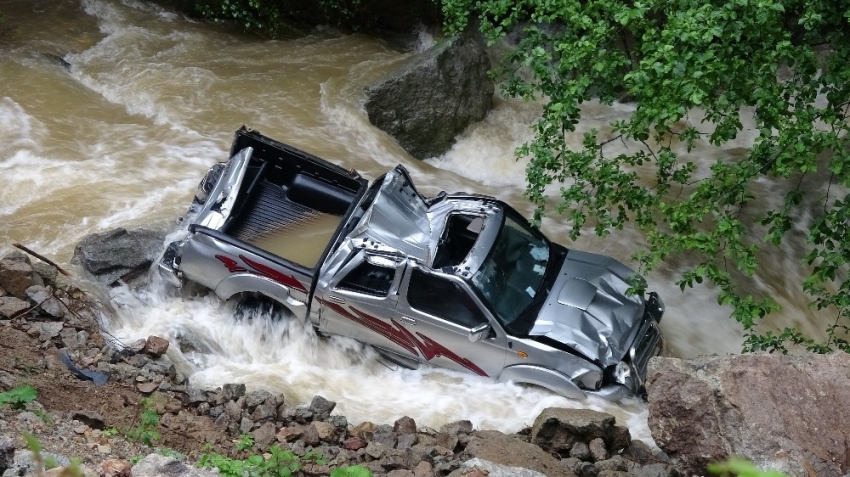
(547, 378)
(248, 282)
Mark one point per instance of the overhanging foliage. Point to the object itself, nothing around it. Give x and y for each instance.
(783, 66)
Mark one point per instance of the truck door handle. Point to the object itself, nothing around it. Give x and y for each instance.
(336, 299)
(407, 320)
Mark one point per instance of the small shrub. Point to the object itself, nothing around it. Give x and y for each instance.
(739, 467)
(351, 471)
(281, 463)
(18, 397)
(146, 432)
(245, 442)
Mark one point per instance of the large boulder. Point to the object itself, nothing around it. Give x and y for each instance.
(118, 254)
(434, 96)
(510, 452)
(17, 274)
(786, 413)
(558, 429)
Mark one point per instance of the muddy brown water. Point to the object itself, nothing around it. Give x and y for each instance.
(149, 100)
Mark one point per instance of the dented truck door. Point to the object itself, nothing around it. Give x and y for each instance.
(447, 325)
(360, 301)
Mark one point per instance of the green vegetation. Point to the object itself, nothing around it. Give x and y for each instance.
(741, 468)
(699, 73)
(42, 463)
(145, 432)
(256, 16)
(281, 463)
(245, 442)
(18, 397)
(351, 471)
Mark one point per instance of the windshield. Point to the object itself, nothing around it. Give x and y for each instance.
(514, 270)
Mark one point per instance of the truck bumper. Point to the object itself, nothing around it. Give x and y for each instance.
(168, 266)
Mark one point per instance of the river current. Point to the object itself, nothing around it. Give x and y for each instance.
(149, 100)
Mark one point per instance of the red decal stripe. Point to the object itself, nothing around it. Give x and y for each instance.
(273, 274)
(231, 264)
(399, 335)
(431, 348)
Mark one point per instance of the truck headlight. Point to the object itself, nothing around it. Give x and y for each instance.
(624, 375)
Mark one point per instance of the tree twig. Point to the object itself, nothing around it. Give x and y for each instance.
(42, 258)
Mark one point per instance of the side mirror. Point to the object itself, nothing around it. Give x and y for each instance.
(480, 331)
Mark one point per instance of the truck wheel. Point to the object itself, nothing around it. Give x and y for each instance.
(254, 305)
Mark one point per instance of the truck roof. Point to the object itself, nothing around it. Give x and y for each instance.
(400, 221)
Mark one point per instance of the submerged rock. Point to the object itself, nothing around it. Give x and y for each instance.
(119, 254)
(785, 413)
(434, 96)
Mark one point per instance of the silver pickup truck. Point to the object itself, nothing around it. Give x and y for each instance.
(460, 281)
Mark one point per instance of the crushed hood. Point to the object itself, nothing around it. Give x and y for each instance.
(588, 309)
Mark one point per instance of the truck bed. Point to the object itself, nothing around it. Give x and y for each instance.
(283, 227)
(291, 203)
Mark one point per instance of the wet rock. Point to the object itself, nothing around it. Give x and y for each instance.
(400, 473)
(49, 330)
(651, 470)
(156, 465)
(339, 422)
(16, 274)
(155, 346)
(11, 306)
(135, 347)
(597, 449)
(447, 440)
(393, 460)
(354, 443)
(375, 450)
(147, 387)
(321, 407)
(245, 425)
(387, 439)
(264, 435)
(640, 453)
(406, 441)
(580, 451)
(291, 434)
(255, 398)
(325, 431)
(457, 427)
(433, 96)
(7, 453)
(423, 469)
(196, 395)
(118, 253)
(614, 464)
(512, 452)
(558, 429)
(404, 425)
(784, 412)
(315, 470)
(483, 468)
(262, 412)
(50, 305)
(7, 381)
(115, 468)
(48, 273)
(365, 430)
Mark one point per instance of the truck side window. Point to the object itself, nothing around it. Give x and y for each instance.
(369, 279)
(443, 299)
